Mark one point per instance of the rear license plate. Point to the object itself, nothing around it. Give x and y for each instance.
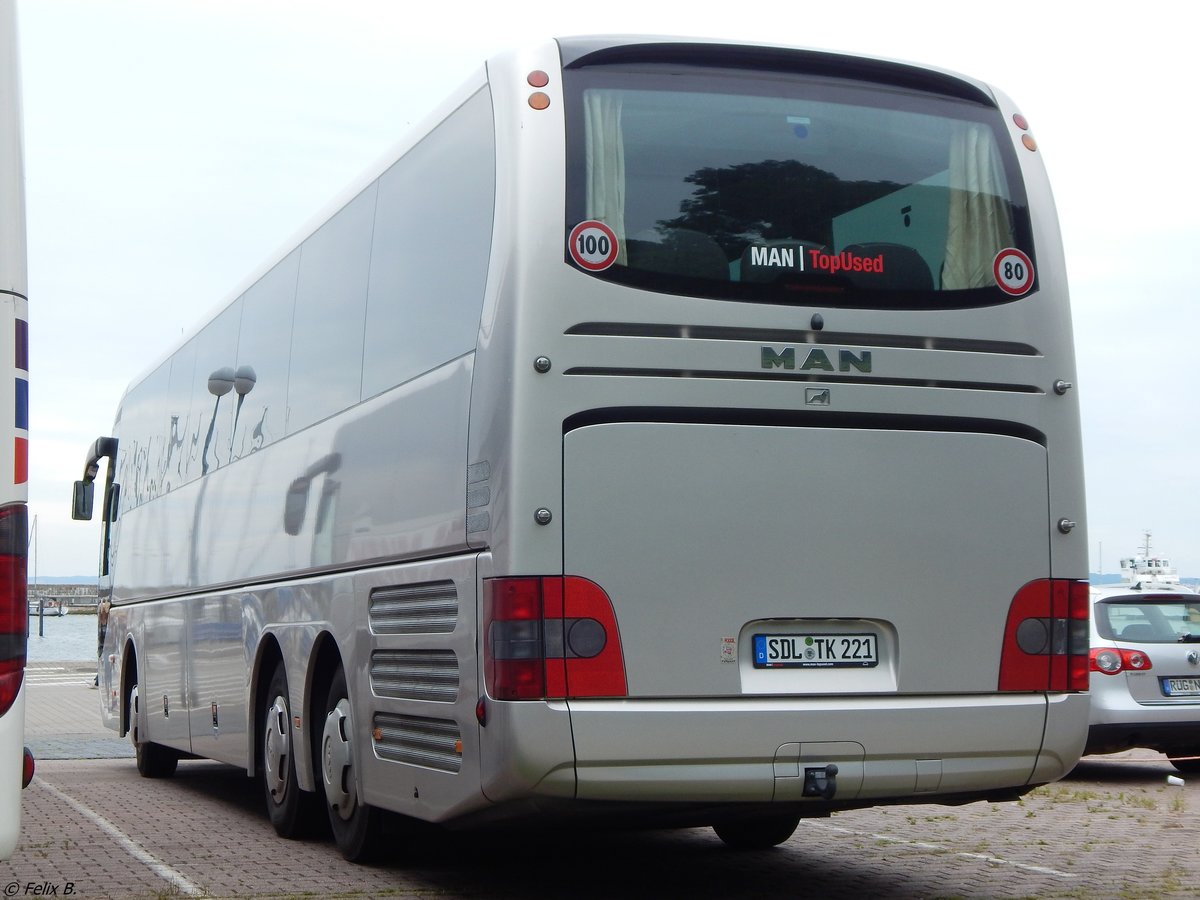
(1181, 687)
(815, 651)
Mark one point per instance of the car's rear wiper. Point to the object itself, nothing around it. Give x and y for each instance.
(1189, 639)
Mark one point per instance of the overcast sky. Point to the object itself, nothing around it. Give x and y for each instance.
(173, 145)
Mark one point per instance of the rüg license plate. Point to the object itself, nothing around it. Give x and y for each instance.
(815, 651)
(1181, 687)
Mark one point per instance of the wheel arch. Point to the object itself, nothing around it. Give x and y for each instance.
(129, 677)
(323, 664)
(266, 658)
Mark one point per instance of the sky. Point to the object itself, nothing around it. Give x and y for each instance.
(173, 145)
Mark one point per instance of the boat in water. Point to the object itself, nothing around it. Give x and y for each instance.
(49, 608)
(1147, 569)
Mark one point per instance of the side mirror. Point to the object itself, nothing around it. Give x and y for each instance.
(82, 496)
(82, 499)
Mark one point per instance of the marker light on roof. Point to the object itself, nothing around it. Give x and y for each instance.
(1029, 142)
(539, 100)
(538, 79)
(1021, 122)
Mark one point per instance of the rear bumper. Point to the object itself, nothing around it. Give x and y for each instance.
(1174, 738)
(1119, 722)
(759, 750)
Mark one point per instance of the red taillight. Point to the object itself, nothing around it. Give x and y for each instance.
(14, 611)
(1046, 638)
(591, 642)
(1111, 661)
(550, 637)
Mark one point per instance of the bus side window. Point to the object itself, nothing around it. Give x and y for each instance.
(329, 317)
(431, 245)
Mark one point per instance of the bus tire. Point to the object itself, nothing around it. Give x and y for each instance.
(153, 760)
(355, 824)
(757, 833)
(290, 809)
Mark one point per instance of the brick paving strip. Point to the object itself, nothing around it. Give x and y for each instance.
(132, 847)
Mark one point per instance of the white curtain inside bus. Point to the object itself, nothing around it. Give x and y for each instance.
(979, 224)
(606, 163)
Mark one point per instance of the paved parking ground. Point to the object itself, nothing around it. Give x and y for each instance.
(62, 715)
(93, 828)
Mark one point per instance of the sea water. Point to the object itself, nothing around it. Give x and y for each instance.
(69, 638)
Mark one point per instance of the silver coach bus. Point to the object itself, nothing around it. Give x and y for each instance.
(670, 430)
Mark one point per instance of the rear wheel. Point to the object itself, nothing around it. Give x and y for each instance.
(153, 760)
(759, 832)
(290, 809)
(355, 824)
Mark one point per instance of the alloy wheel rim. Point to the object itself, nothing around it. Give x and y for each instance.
(337, 760)
(277, 750)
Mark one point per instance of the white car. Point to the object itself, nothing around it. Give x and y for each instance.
(1145, 671)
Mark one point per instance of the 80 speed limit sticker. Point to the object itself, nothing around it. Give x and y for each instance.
(593, 246)
(1013, 271)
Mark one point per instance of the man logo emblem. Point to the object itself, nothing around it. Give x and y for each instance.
(816, 396)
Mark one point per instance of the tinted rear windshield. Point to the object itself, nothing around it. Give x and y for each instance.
(792, 188)
(1150, 620)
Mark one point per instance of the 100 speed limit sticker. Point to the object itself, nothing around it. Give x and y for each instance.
(592, 245)
(1013, 271)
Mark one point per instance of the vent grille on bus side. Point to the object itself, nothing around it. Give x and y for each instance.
(419, 741)
(414, 609)
(415, 675)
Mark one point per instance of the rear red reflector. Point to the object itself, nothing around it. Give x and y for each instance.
(27, 767)
(14, 612)
(20, 460)
(10, 684)
(1046, 638)
(550, 637)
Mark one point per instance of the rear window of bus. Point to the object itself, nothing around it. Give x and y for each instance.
(791, 188)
